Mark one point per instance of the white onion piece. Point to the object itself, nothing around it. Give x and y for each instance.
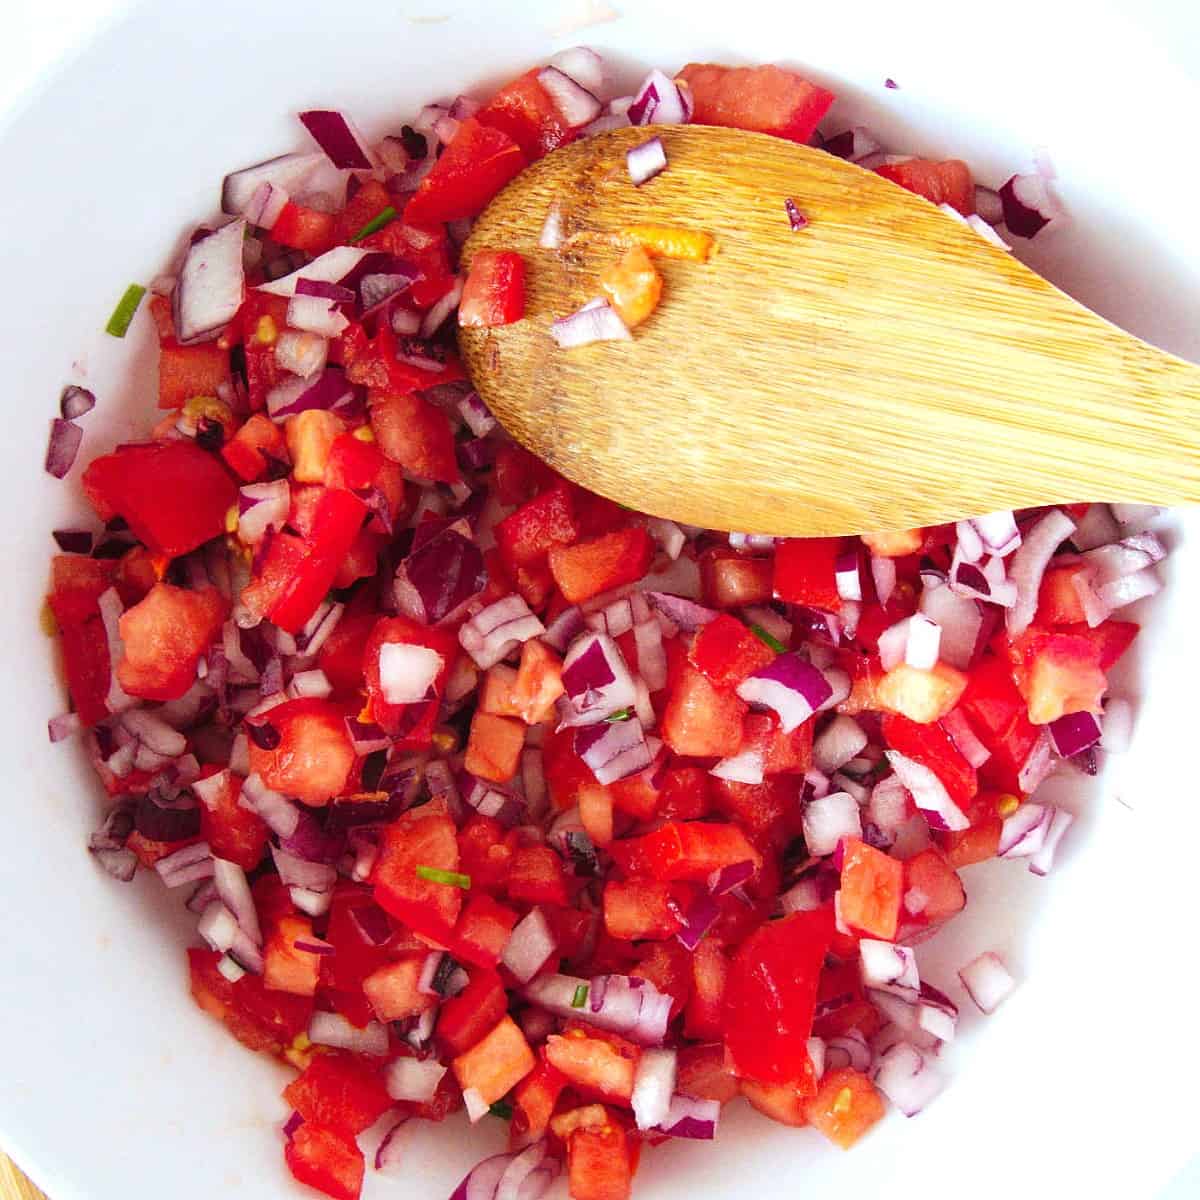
(746, 767)
(929, 794)
(498, 629)
(1129, 588)
(1043, 860)
(893, 642)
(653, 1087)
(905, 1077)
(261, 506)
(301, 353)
(332, 1029)
(407, 672)
(1097, 527)
(413, 1079)
(331, 267)
(1029, 565)
(816, 1055)
(288, 173)
(596, 322)
(668, 535)
(218, 927)
(840, 741)
(1024, 831)
(530, 946)
(521, 1168)
(211, 282)
(804, 896)
(923, 642)
(960, 621)
(963, 736)
(987, 981)
(597, 681)
(111, 608)
(887, 808)
(889, 968)
(316, 316)
(827, 820)
(583, 65)
(575, 103)
(883, 573)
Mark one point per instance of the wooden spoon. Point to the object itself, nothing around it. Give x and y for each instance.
(883, 367)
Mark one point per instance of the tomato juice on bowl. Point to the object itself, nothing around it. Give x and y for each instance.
(1064, 937)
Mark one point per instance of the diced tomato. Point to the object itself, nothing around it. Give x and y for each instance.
(339, 1091)
(766, 99)
(781, 1102)
(164, 636)
(534, 1099)
(494, 747)
(932, 747)
(483, 930)
(1058, 673)
(732, 580)
(414, 722)
(423, 836)
(137, 571)
(771, 995)
(344, 650)
(526, 537)
(188, 371)
(999, 718)
(354, 956)
(685, 793)
(325, 1160)
(566, 773)
(314, 756)
(726, 652)
(518, 476)
(710, 970)
(700, 721)
(303, 228)
(485, 852)
(260, 1019)
(841, 1004)
(932, 876)
(636, 796)
(1111, 639)
(632, 285)
(494, 293)
(537, 877)
(464, 1019)
(285, 967)
(766, 808)
(681, 851)
(476, 164)
(234, 833)
(76, 585)
(703, 1073)
(1059, 602)
(783, 753)
(173, 495)
(495, 1064)
(946, 182)
(538, 682)
(595, 1063)
(845, 1107)
(600, 564)
(526, 112)
(805, 572)
(921, 696)
(257, 448)
(600, 1163)
(393, 992)
(871, 886)
(415, 434)
(639, 908)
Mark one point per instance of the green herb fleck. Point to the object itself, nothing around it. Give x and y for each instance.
(449, 878)
(118, 323)
(580, 998)
(622, 714)
(384, 217)
(501, 1109)
(768, 639)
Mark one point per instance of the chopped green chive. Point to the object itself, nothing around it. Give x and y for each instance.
(622, 714)
(501, 1109)
(768, 639)
(580, 998)
(118, 323)
(384, 217)
(449, 878)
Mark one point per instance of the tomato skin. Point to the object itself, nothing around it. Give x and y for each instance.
(1058, 672)
(932, 747)
(423, 836)
(397, 719)
(766, 99)
(710, 972)
(303, 228)
(476, 164)
(805, 572)
(946, 182)
(932, 875)
(526, 112)
(164, 636)
(464, 1019)
(77, 583)
(526, 537)
(602, 563)
(771, 996)
(494, 293)
(684, 851)
(314, 756)
(485, 852)
(732, 580)
(871, 889)
(534, 1099)
(339, 1091)
(354, 957)
(999, 717)
(325, 1160)
(726, 652)
(537, 877)
(173, 495)
(483, 929)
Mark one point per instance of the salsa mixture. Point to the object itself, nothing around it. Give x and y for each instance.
(491, 794)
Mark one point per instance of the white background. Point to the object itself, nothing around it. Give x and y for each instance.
(38, 35)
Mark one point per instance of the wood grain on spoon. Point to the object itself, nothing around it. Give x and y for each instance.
(883, 367)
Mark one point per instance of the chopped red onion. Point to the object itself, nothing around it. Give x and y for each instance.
(331, 267)
(262, 506)
(830, 819)
(659, 101)
(75, 402)
(154, 733)
(298, 872)
(937, 1014)
(840, 741)
(989, 582)
(613, 749)
(218, 927)
(526, 1173)
(332, 1029)
(1028, 205)
(483, 1179)
(690, 1118)
(651, 655)
(185, 865)
(745, 767)
(265, 205)
(597, 322)
(727, 878)
(893, 642)
(1128, 589)
(596, 679)
(563, 630)
(960, 620)
(1097, 527)
(234, 891)
(1024, 831)
(288, 173)
(848, 576)
(1043, 859)
(583, 65)
(211, 283)
(412, 1079)
(929, 794)
(903, 1074)
(883, 573)
(432, 321)
(1029, 565)
(634, 1009)
(276, 810)
(989, 205)
(889, 968)
(315, 315)
(292, 396)
(498, 629)
(64, 726)
(998, 532)
(388, 1154)
(340, 138)
(687, 614)
(987, 981)
(922, 642)
(653, 1087)
(530, 946)
(849, 1050)
(790, 686)
(807, 895)
(65, 440)
(646, 160)
(887, 808)
(1040, 764)
(1074, 733)
(963, 736)
(533, 781)
(407, 672)
(853, 144)
(699, 918)
(575, 103)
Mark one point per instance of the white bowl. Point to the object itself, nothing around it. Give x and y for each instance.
(113, 1084)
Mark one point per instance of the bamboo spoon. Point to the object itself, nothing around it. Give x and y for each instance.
(883, 367)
